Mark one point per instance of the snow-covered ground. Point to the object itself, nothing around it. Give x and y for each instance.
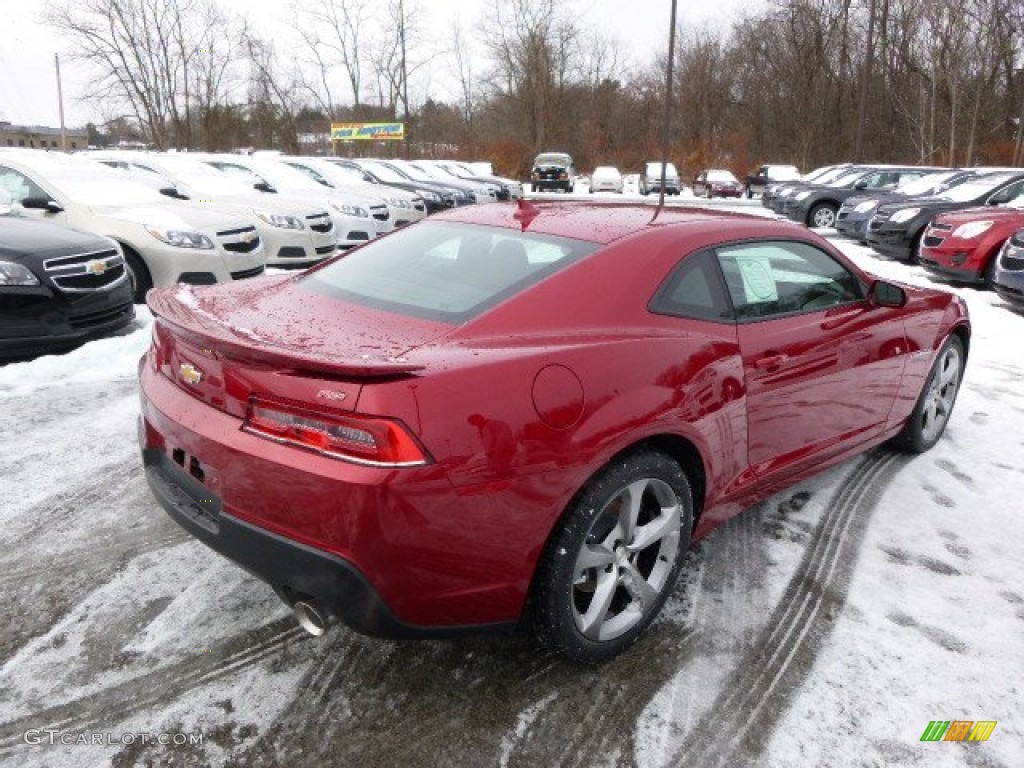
(826, 627)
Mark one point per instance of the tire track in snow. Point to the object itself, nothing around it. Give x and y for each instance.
(101, 710)
(62, 548)
(603, 706)
(740, 721)
(419, 703)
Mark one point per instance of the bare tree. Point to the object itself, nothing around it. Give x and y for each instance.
(332, 32)
(149, 57)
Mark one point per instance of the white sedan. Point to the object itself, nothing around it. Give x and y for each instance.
(606, 178)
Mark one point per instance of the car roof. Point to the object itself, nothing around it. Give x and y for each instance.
(603, 223)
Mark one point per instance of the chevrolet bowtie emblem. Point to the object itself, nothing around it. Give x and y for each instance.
(96, 267)
(248, 237)
(190, 374)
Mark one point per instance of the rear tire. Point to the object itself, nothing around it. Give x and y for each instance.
(934, 405)
(614, 559)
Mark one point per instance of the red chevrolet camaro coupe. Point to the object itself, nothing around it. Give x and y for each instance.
(526, 413)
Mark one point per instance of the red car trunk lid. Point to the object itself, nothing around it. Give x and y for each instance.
(222, 344)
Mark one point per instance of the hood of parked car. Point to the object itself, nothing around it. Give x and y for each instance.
(281, 321)
(174, 216)
(19, 237)
(990, 212)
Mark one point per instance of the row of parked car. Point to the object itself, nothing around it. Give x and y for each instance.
(84, 237)
(964, 224)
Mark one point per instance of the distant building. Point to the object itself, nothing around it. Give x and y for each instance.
(40, 137)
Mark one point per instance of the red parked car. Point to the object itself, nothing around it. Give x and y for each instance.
(716, 183)
(964, 245)
(507, 414)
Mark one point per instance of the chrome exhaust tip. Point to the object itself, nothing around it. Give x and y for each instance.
(309, 618)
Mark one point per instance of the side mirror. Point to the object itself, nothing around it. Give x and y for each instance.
(42, 204)
(862, 184)
(263, 186)
(998, 198)
(174, 192)
(883, 294)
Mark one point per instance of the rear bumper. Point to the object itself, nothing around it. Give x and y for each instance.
(294, 570)
(390, 554)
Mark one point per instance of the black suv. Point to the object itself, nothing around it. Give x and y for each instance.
(552, 170)
(896, 229)
(817, 205)
(58, 288)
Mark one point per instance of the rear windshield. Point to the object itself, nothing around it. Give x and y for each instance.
(444, 271)
(553, 159)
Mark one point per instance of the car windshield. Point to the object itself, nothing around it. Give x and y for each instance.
(384, 172)
(553, 159)
(928, 184)
(654, 169)
(845, 180)
(432, 173)
(92, 188)
(341, 173)
(411, 172)
(445, 271)
(201, 178)
(826, 175)
(783, 172)
(975, 188)
(284, 176)
(720, 176)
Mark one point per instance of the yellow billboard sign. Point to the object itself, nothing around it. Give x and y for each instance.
(367, 131)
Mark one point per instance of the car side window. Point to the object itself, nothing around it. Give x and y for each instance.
(1011, 192)
(694, 289)
(19, 185)
(768, 279)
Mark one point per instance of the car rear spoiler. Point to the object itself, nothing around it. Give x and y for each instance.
(201, 329)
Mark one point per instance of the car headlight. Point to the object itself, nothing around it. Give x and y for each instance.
(351, 210)
(397, 202)
(181, 238)
(972, 229)
(280, 220)
(905, 215)
(427, 195)
(16, 274)
(870, 205)
(802, 196)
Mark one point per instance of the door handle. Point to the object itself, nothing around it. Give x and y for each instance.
(770, 361)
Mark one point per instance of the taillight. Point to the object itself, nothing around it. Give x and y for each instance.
(367, 440)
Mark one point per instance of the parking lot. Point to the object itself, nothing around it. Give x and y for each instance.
(826, 626)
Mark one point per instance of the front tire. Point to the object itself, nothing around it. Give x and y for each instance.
(614, 559)
(934, 405)
(822, 215)
(138, 274)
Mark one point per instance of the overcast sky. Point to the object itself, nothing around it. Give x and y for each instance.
(28, 91)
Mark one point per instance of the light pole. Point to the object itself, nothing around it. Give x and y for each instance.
(667, 135)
